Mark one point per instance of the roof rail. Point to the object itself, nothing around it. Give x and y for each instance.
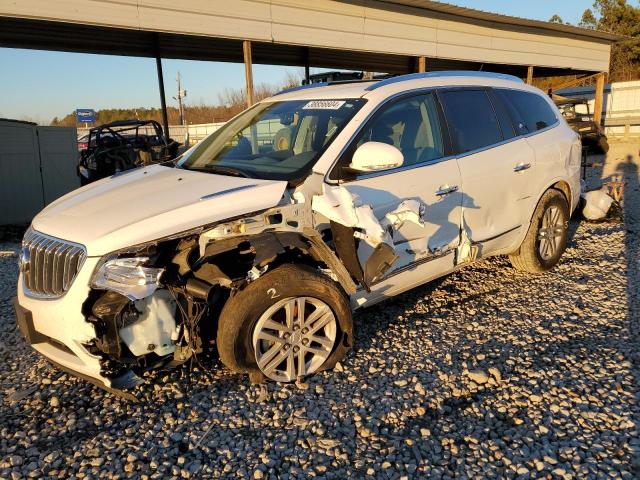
(302, 87)
(449, 73)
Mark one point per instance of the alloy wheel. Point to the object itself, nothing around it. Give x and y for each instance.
(294, 338)
(550, 232)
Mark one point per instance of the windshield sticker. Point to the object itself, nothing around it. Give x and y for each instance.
(324, 105)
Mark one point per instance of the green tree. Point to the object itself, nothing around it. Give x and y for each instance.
(622, 18)
(588, 20)
(556, 19)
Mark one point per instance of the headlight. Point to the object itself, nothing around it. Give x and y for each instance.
(128, 276)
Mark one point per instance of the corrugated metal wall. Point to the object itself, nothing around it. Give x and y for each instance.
(37, 165)
(361, 26)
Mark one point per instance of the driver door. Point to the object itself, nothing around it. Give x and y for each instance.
(428, 175)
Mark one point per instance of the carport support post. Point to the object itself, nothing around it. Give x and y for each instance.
(163, 102)
(246, 49)
(306, 66)
(597, 105)
(422, 64)
(530, 75)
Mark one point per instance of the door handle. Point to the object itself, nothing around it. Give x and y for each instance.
(521, 167)
(446, 190)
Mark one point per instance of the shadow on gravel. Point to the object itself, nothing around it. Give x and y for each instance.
(626, 168)
(631, 212)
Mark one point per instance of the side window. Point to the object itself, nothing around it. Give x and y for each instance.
(506, 123)
(518, 121)
(411, 125)
(534, 110)
(471, 119)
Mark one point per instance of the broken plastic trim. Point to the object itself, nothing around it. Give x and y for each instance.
(350, 221)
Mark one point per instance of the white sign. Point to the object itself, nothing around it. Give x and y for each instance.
(324, 105)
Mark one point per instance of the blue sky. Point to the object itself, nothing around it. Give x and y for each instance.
(38, 85)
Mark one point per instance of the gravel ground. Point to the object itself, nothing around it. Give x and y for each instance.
(485, 373)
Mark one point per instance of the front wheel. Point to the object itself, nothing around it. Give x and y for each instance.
(546, 239)
(289, 323)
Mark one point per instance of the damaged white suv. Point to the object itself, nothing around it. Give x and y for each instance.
(261, 240)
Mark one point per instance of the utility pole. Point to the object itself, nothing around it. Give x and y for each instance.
(181, 94)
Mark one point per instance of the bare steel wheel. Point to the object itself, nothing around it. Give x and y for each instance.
(551, 232)
(291, 321)
(294, 338)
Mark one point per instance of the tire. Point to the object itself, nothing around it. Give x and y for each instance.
(537, 254)
(243, 324)
(282, 140)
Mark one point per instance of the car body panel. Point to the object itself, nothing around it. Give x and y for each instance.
(496, 196)
(441, 228)
(126, 210)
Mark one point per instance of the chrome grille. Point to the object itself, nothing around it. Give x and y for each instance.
(49, 265)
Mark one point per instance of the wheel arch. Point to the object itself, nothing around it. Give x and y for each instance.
(558, 184)
(563, 187)
(272, 249)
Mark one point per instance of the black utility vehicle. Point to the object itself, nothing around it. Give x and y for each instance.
(592, 135)
(123, 145)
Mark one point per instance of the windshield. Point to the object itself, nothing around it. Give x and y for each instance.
(275, 141)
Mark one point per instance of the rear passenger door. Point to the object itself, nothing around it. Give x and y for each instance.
(495, 164)
(535, 117)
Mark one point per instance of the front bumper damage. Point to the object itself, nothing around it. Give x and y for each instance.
(62, 357)
(57, 329)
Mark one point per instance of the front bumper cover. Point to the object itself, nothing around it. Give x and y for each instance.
(52, 349)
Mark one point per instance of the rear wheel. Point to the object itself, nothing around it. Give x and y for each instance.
(288, 323)
(546, 239)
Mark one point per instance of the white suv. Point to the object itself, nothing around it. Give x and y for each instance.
(261, 240)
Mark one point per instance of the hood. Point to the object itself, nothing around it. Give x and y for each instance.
(150, 203)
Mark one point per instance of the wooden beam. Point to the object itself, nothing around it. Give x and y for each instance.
(597, 106)
(248, 72)
(530, 75)
(422, 64)
(307, 65)
(575, 82)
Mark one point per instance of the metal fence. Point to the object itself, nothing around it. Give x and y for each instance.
(37, 165)
(191, 134)
(186, 134)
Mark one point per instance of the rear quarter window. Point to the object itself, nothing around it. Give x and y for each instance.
(533, 110)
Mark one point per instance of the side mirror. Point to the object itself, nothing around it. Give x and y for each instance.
(375, 157)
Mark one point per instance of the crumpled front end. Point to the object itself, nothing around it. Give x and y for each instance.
(157, 304)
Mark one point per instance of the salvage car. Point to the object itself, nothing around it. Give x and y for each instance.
(260, 250)
(576, 111)
(119, 146)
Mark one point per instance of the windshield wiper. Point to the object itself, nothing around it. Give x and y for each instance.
(233, 172)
